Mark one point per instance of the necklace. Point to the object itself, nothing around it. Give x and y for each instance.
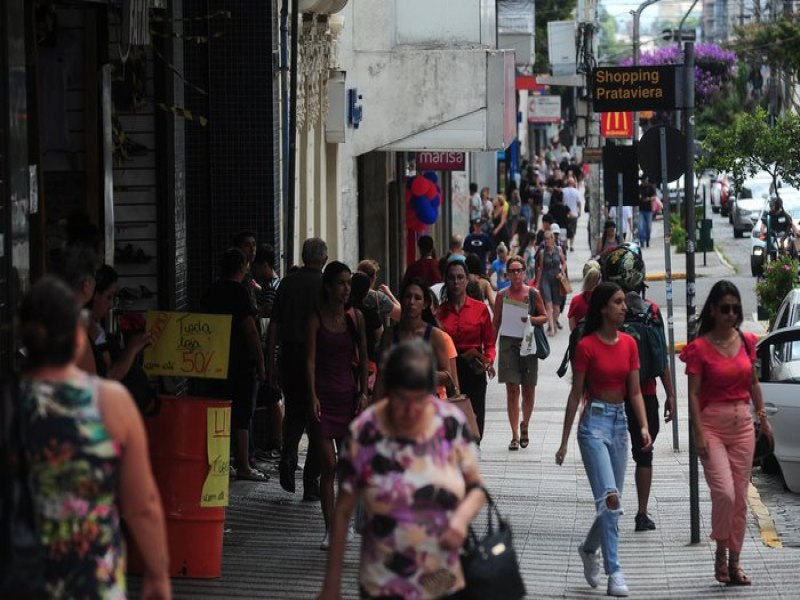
(723, 343)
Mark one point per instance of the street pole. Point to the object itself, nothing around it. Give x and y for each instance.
(637, 14)
(668, 281)
(688, 196)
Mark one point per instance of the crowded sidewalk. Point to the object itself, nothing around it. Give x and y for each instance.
(272, 538)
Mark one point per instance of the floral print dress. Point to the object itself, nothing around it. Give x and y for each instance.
(409, 489)
(74, 466)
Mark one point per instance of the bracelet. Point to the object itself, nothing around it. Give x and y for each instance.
(761, 413)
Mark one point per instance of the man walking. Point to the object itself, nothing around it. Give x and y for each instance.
(297, 298)
(647, 193)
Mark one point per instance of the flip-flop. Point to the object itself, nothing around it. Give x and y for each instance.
(514, 445)
(250, 474)
(524, 440)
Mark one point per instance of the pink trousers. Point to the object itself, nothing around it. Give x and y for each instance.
(728, 431)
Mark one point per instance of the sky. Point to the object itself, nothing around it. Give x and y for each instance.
(623, 8)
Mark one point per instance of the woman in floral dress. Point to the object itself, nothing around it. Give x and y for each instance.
(87, 453)
(411, 460)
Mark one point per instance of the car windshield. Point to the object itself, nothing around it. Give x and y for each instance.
(755, 189)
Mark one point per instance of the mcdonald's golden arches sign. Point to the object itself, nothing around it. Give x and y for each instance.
(616, 124)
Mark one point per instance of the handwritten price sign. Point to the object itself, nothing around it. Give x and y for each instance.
(188, 345)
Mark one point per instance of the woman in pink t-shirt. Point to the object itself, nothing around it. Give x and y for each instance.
(606, 367)
(722, 382)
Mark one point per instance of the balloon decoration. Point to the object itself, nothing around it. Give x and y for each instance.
(423, 197)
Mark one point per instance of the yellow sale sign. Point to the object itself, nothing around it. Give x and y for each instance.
(215, 487)
(188, 345)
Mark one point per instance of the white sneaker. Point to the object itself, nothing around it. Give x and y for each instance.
(591, 566)
(617, 585)
(326, 542)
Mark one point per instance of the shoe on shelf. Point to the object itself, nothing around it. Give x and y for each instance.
(617, 585)
(326, 542)
(644, 523)
(591, 566)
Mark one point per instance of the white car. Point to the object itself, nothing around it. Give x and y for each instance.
(759, 186)
(779, 374)
(758, 240)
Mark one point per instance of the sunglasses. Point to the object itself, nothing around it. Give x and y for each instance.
(515, 270)
(727, 309)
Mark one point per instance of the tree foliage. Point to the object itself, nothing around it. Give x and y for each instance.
(751, 145)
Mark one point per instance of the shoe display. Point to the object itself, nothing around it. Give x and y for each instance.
(591, 566)
(644, 523)
(326, 542)
(617, 585)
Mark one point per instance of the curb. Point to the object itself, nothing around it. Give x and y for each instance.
(663, 276)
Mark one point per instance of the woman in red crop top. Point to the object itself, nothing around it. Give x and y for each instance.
(722, 380)
(606, 366)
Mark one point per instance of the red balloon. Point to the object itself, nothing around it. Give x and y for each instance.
(420, 185)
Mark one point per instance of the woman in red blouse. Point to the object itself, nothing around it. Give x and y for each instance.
(467, 321)
(722, 382)
(606, 367)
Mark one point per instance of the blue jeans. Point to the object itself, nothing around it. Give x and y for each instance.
(645, 225)
(603, 441)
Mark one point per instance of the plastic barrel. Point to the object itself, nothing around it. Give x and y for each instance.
(177, 436)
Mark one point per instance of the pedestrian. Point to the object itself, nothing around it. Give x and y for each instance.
(475, 202)
(426, 267)
(479, 244)
(297, 299)
(417, 451)
(529, 255)
(467, 321)
(647, 194)
(380, 297)
(228, 296)
(418, 321)
(498, 267)
(579, 304)
(336, 359)
(456, 249)
(574, 202)
(373, 324)
(608, 241)
(627, 221)
(723, 382)
(552, 263)
(499, 220)
(486, 292)
(512, 369)
(86, 452)
(605, 370)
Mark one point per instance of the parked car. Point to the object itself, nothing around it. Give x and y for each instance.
(789, 311)
(745, 213)
(779, 374)
(758, 240)
(719, 185)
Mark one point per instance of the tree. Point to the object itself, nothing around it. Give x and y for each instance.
(751, 145)
(610, 48)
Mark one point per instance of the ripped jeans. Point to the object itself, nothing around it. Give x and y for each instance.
(603, 441)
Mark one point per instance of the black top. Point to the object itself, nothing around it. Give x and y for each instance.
(779, 223)
(646, 194)
(232, 298)
(479, 244)
(559, 211)
(297, 298)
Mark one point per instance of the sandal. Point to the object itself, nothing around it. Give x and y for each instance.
(514, 445)
(736, 574)
(250, 474)
(524, 440)
(721, 568)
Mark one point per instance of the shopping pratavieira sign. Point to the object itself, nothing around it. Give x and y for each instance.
(619, 89)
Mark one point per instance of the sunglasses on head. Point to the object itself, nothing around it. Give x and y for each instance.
(727, 309)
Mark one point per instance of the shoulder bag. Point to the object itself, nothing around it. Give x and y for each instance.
(540, 343)
(22, 555)
(490, 565)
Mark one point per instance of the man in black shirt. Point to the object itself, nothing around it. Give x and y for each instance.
(297, 298)
(478, 243)
(227, 296)
(647, 192)
(776, 223)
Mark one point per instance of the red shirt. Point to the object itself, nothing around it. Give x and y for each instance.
(579, 306)
(606, 365)
(470, 327)
(425, 268)
(722, 379)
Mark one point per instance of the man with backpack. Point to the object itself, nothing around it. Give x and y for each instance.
(643, 321)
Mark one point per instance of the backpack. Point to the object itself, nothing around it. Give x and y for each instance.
(646, 326)
(574, 337)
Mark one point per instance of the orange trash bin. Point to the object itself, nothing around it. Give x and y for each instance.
(178, 440)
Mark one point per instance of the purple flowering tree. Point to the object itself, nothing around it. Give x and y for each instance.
(713, 67)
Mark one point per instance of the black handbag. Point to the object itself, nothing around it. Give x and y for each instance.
(22, 554)
(490, 563)
(542, 345)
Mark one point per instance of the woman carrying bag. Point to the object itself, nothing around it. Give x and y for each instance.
(513, 369)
